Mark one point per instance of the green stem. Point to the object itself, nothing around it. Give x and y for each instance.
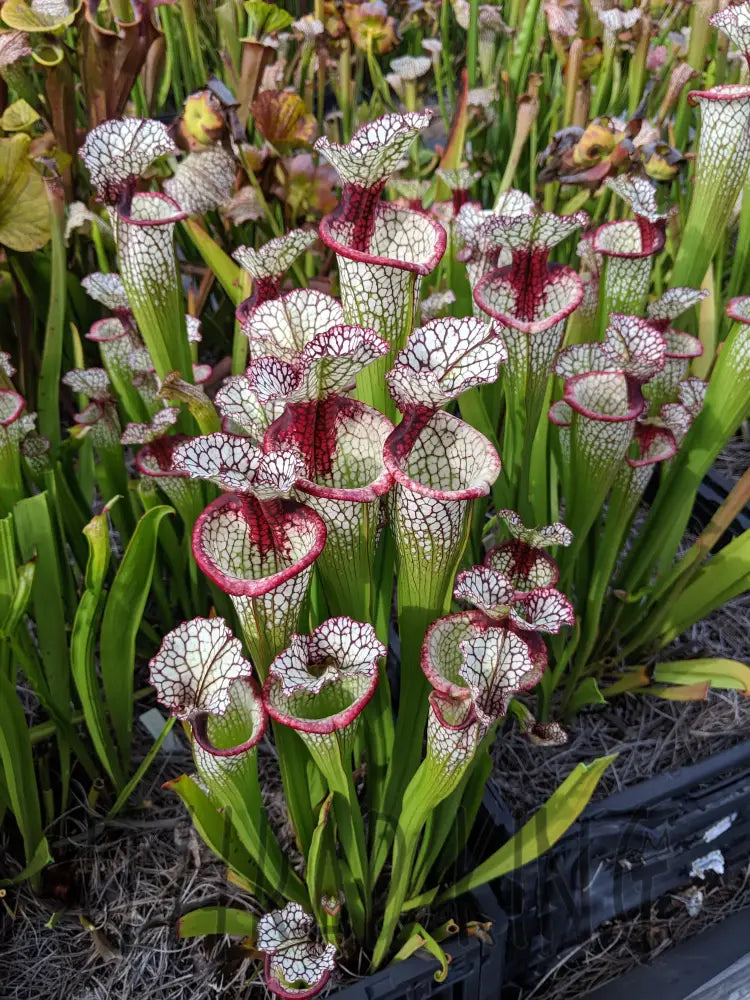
(352, 833)
(472, 42)
(49, 379)
(424, 594)
(239, 340)
(198, 72)
(430, 786)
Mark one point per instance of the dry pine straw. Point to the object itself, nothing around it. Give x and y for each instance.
(651, 736)
(130, 880)
(133, 880)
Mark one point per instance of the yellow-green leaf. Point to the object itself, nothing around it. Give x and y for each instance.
(631, 680)
(417, 937)
(707, 328)
(266, 18)
(19, 599)
(122, 617)
(39, 860)
(586, 693)
(20, 15)
(726, 674)
(17, 766)
(18, 117)
(24, 211)
(225, 269)
(214, 825)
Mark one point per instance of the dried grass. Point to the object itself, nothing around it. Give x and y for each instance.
(131, 879)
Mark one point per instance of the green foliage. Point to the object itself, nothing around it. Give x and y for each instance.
(20, 778)
(265, 18)
(83, 648)
(121, 620)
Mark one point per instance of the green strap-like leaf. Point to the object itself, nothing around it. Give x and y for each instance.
(225, 269)
(71, 506)
(348, 817)
(726, 406)
(20, 600)
(39, 860)
(144, 765)
(8, 575)
(679, 692)
(83, 645)
(416, 938)
(233, 783)
(122, 617)
(425, 791)
(585, 693)
(49, 378)
(217, 920)
(725, 576)
(18, 767)
(323, 878)
(544, 829)
(36, 536)
(450, 824)
(729, 675)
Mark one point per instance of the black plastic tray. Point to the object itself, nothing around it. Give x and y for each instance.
(475, 972)
(624, 852)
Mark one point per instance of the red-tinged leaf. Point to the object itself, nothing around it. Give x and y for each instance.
(680, 692)
(454, 148)
(283, 120)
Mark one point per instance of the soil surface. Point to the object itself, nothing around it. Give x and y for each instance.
(105, 924)
(649, 735)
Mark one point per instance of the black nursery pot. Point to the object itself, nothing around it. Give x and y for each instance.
(624, 852)
(475, 972)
